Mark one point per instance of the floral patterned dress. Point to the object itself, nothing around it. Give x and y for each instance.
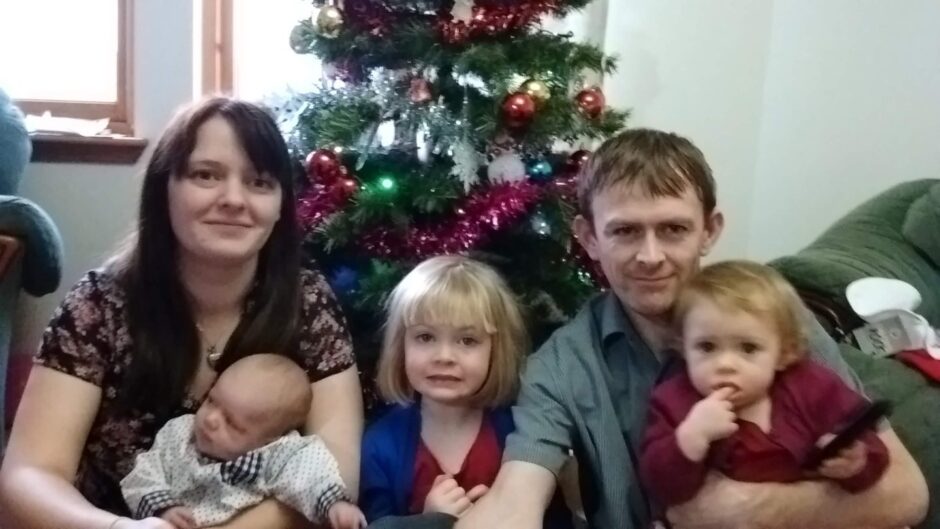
(88, 338)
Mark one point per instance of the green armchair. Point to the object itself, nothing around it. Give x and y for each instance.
(896, 234)
(30, 245)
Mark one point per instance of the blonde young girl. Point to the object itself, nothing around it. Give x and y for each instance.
(453, 347)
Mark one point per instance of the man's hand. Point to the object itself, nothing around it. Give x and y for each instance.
(848, 463)
(722, 503)
(711, 419)
(448, 497)
(181, 517)
(345, 515)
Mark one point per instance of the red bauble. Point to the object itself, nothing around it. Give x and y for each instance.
(346, 187)
(590, 102)
(518, 110)
(323, 166)
(455, 32)
(577, 160)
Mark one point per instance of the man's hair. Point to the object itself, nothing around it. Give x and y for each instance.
(660, 163)
(458, 291)
(753, 288)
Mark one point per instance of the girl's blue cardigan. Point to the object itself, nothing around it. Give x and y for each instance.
(388, 458)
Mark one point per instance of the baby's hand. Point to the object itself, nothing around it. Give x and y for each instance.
(181, 517)
(711, 419)
(848, 463)
(448, 497)
(344, 515)
(146, 523)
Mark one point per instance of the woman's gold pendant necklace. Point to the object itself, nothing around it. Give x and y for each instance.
(213, 355)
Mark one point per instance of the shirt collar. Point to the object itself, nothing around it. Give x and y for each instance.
(614, 322)
(615, 325)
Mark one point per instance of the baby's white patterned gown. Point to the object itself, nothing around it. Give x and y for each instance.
(298, 471)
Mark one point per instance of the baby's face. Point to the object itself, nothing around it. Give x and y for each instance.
(230, 423)
(730, 349)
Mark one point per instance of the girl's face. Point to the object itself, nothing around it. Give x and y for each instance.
(447, 364)
(732, 349)
(221, 209)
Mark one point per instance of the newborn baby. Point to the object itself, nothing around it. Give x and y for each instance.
(240, 448)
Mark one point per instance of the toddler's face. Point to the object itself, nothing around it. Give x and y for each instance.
(229, 423)
(730, 349)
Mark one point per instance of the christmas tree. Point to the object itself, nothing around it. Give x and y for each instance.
(445, 126)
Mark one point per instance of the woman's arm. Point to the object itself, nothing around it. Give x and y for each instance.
(52, 425)
(336, 416)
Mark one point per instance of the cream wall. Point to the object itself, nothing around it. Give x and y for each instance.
(94, 205)
(851, 106)
(697, 68)
(803, 108)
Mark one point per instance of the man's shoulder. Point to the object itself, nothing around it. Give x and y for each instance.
(580, 333)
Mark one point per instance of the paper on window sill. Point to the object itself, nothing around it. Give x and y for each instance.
(48, 124)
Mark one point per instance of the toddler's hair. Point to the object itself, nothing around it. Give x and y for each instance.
(754, 288)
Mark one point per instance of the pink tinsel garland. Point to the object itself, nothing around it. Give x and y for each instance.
(481, 214)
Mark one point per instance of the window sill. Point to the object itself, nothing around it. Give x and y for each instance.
(53, 148)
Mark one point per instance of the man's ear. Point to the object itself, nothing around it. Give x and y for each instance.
(584, 231)
(714, 224)
(788, 356)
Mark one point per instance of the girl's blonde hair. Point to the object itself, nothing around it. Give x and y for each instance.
(753, 288)
(458, 291)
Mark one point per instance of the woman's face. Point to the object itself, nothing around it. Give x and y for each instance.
(221, 209)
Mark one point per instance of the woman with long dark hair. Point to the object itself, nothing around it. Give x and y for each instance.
(211, 275)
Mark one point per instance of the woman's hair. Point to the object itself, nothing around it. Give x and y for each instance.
(159, 317)
(756, 289)
(458, 291)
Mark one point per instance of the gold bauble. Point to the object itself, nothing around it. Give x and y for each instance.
(537, 89)
(328, 21)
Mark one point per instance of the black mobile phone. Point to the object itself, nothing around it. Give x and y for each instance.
(865, 418)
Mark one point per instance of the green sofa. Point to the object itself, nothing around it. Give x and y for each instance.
(895, 234)
(30, 245)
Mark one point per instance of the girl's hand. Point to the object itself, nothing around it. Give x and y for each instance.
(848, 463)
(448, 497)
(711, 419)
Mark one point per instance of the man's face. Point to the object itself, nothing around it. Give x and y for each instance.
(648, 247)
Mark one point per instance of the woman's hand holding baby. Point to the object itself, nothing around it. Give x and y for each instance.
(448, 497)
(848, 463)
(711, 419)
